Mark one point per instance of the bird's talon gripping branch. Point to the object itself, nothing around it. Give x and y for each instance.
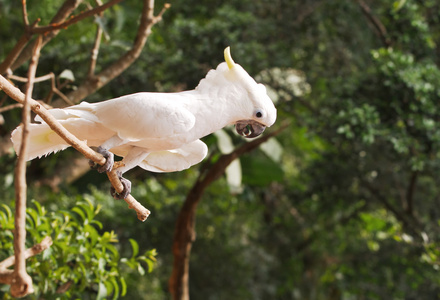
(127, 188)
(107, 167)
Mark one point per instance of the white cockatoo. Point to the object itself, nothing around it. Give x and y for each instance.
(160, 132)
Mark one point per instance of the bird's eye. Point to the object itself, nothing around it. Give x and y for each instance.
(259, 114)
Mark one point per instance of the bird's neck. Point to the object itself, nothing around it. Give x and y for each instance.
(213, 110)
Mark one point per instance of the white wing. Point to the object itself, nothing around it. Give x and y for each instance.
(177, 159)
(143, 115)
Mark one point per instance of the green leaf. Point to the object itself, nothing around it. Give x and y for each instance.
(224, 141)
(67, 74)
(113, 250)
(273, 149)
(102, 291)
(40, 209)
(80, 212)
(34, 215)
(88, 209)
(123, 286)
(97, 223)
(260, 171)
(8, 211)
(135, 247)
(141, 270)
(92, 234)
(115, 288)
(109, 286)
(234, 176)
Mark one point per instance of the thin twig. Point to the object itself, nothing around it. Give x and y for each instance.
(9, 107)
(95, 50)
(34, 250)
(61, 95)
(16, 51)
(37, 79)
(53, 27)
(25, 15)
(6, 274)
(54, 89)
(73, 20)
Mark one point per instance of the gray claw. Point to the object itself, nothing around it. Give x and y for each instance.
(127, 188)
(107, 167)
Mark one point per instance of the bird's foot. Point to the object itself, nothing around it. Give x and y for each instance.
(109, 161)
(125, 192)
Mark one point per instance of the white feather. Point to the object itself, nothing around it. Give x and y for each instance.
(160, 132)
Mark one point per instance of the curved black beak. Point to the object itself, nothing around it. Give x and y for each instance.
(249, 128)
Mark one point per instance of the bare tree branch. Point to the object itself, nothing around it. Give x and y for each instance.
(25, 15)
(54, 89)
(147, 21)
(21, 282)
(53, 28)
(5, 273)
(184, 234)
(9, 107)
(15, 52)
(95, 50)
(65, 10)
(34, 250)
(76, 19)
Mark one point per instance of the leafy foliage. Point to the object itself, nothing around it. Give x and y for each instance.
(82, 260)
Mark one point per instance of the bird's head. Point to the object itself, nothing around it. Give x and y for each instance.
(259, 110)
(253, 110)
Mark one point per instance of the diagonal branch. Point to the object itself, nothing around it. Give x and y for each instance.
(72, 140)
(54, 89)
(184, 234)
(5, 273)
(18, 48)
(9, 107)
(76, 19)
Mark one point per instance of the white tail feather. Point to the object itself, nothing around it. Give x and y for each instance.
(42, 141)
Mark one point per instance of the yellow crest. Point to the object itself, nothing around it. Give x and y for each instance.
(228, 58)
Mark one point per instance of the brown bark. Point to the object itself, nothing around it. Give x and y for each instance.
(21, 284)
(184, 234)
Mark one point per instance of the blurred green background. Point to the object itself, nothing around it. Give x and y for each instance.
(343, 204)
